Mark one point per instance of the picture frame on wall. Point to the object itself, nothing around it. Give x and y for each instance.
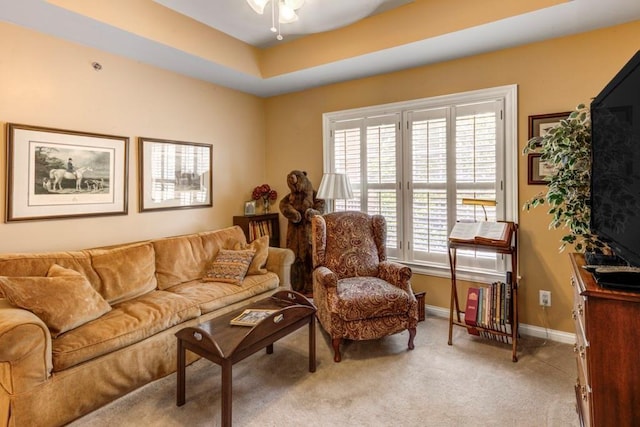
(174, 174)
(250, 208)
(59, 174)
(540, 124)
(537, 171)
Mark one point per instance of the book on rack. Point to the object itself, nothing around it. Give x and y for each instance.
(487, 310)
(259, 228)
(471, 311)
(482, 233)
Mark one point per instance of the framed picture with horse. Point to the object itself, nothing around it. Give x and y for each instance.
(56, 173)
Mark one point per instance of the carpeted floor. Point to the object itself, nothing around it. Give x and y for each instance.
(378, 383)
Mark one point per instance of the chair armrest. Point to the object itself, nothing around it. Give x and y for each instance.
(325, 277)
(396, 274)
(25, 349)
(325, 292)
(279, 261)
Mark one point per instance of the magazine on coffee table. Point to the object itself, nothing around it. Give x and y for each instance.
(251, 316)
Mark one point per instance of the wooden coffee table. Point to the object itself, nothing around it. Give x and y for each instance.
(225, 344)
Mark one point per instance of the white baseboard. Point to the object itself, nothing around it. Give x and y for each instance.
(530, 330)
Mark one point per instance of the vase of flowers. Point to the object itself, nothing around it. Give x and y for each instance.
(266, 194)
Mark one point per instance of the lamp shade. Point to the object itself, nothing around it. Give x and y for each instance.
(335, 186)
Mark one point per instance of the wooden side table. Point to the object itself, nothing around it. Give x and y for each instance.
(225, 344)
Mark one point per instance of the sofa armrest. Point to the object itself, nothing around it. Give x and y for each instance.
(279, 261)
(25, 349)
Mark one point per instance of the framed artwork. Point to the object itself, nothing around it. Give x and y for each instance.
(538, 171)
(250, 208)
(539, 125)
(55, 173)
(174, 174)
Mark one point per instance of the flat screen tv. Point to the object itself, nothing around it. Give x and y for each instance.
(615, 171)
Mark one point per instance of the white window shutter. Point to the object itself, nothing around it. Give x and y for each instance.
(416, 175)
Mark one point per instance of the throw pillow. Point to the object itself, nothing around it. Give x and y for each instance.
(261, 246)
(64, 299)
(229, 266)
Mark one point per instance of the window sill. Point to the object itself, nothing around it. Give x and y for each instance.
(470, 275)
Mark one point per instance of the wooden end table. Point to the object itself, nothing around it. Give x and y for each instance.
(225, 344)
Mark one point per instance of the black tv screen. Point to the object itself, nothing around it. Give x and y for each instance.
(615, 171)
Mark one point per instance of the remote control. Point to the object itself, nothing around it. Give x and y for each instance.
(611, 269)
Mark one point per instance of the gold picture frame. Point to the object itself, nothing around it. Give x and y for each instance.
(60, 174)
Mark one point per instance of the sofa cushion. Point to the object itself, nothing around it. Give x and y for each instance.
(179, 259)
(211, 296)
(125, 271)
(229, 266)
(63, 300)
(370, 297)
(260, 246)
(213, 241)
(129, 322)
(38, 264)
(185, 258)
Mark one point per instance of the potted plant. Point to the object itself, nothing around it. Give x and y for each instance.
(566, 150)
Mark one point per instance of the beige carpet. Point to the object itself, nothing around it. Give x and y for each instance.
(378, 383)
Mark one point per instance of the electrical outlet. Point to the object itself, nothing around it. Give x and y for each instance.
(545, 298)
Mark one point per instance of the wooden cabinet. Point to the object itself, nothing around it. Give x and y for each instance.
(255, 226)
(607, 351)
(508, 246)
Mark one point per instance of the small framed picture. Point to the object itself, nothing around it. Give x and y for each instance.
(538, 171)
(539, 125)
(250, 208)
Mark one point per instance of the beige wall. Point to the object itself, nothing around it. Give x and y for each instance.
(45, 81)
(552, 76)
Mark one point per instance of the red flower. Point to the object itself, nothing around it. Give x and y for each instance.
(264, 192)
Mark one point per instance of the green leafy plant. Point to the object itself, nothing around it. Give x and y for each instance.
(566, 148)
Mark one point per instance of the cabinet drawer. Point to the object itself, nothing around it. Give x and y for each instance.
(581, 350)
(579, 303)
(581, 407)
(583, 398)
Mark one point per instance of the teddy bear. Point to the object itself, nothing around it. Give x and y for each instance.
(299, 206)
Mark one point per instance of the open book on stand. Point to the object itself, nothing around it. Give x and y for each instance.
(482, 233)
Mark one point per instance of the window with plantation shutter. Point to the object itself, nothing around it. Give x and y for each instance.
(415, 161)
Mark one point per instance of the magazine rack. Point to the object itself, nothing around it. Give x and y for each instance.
(507, 245)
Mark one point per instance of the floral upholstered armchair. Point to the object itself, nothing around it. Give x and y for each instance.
(359, 294)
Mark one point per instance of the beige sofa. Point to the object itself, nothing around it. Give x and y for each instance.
(50, 376)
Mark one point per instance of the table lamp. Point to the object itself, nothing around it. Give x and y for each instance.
(335, 186)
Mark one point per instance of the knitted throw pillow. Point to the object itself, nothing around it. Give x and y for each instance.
(229, 266)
